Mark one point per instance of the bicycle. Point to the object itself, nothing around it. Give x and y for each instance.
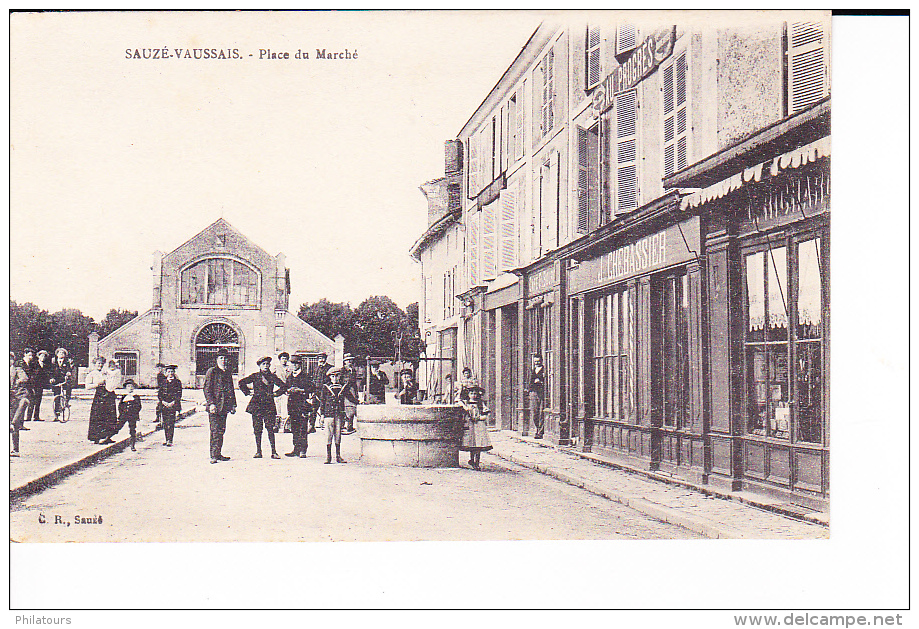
(61, 393)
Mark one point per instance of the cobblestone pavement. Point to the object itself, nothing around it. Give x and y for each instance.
(710, 516)
(175, 494)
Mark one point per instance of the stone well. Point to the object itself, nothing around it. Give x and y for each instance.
(410, 435)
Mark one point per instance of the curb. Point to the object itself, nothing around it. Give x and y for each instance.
(45, 481)
(707, 490)
(656, 511)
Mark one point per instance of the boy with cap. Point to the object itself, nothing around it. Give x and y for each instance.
(129, 410)
(282, 370)
(261, 406)
(332, 406)
(349, 379)
(299, 396)
(160, 378)
(170, 397)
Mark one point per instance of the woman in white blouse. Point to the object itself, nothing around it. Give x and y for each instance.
(103, 416)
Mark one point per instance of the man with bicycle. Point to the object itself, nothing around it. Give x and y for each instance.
(62, 377)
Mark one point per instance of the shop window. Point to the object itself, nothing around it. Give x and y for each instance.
(807, 65)
(784, 364)
(614, 355)
(588, 179)
(127, 362)
(674, 300)
(675, 92)
(592, 57)
(220, 282)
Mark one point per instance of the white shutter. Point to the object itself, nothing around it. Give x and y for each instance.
(592, 57)
(675, 93)
(549, 202)
(518, 142)
(547, 72)
(508, 229)
(807, 67)
(626, 38)
(472, 254)
(489, 241)
(626, 156)
(472, 181)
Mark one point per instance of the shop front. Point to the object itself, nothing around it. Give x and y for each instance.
(502, 353)
(767, 248)
(635, 334)
(540, 323)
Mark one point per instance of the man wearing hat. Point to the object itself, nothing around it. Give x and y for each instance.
(220, 400)
(160, 378)
(261, 406)
(299, 395)
(321, 377)
(282, 370)
(349, 379)
(408, 389)
(332, 406)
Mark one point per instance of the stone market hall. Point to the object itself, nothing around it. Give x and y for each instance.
(216, 291)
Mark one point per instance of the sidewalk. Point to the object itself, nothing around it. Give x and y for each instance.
(52, 450)
(703, 512)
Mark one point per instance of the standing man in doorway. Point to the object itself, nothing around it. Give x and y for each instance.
(536, 388)
(220, 399)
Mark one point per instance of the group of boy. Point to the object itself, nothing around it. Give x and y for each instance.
(330, 393)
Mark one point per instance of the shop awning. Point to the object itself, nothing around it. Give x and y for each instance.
(796, 158)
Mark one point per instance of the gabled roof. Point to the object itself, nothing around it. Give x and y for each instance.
(220, 222)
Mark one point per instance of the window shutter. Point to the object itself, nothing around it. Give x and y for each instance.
(807, 68)
(489, 241)
(583, 175)
(472, 181)
(518, 144)
(472, 257)
(547, 72)
(626, 38)
(508, 229)
(484, 157)
(588, 176)
(675, 93)
(550, 202)
(626, 151)
(592, 54)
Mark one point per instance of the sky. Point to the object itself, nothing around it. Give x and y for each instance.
(113, 158)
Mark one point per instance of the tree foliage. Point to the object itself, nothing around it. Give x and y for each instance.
(31, 326)
(377, 327)
(113, 320)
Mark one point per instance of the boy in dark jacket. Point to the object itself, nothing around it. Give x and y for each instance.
(261, 406)
(332, 406)
(299, 408)
(129, 410)
(170, 397)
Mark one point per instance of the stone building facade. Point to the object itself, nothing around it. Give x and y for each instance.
(217, 290)
(646, 207)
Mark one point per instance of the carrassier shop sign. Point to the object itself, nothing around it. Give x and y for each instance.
(676, 244)
(652, 52)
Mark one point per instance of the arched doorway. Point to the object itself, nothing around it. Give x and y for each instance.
(211, 339)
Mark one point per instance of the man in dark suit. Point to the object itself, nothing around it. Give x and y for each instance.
(299, 398)
(220, 400)
(261, 406)
(536, 389)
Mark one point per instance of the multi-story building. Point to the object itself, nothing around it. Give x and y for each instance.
(646, 206)
(441, 250)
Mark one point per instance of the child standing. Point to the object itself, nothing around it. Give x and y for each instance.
(261, 406)
(475, 432)
(170, 396)
(332, 407)
(129, 410)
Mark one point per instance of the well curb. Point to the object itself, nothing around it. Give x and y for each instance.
(48, 479)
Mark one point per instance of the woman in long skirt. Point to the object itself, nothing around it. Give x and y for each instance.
(102, 414)
(475, 431)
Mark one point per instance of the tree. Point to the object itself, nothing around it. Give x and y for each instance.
(411, 331)
(114, 319)
(328, 317)
(72, 330)
(377, 326)
(30, 326)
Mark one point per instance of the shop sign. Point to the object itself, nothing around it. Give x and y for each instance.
(542, 280)
(652, 52)
(678, 243)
